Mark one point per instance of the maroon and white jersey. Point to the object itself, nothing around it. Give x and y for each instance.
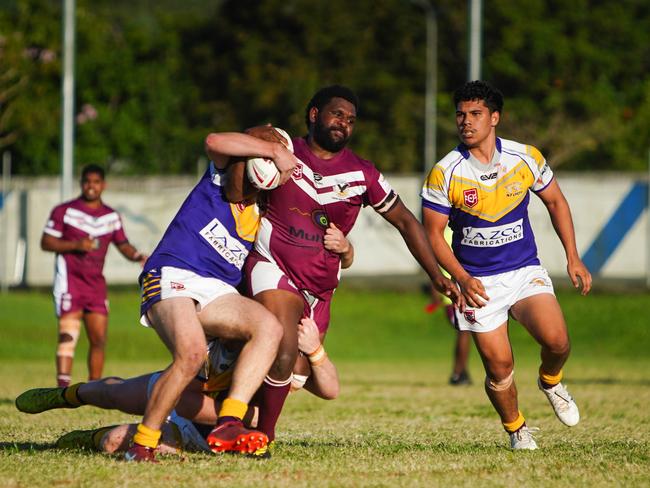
(72, 221)
(319, 192)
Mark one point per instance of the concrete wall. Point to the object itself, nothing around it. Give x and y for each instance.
(148, 204)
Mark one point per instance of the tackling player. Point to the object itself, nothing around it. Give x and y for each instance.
(79, 232)
(188, 293)
(482, 189)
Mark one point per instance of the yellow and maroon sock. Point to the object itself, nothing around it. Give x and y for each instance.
(549, 380)
(515, 425)
(231, 409)
(147, 437)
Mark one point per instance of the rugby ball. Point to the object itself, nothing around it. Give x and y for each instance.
(262, 172)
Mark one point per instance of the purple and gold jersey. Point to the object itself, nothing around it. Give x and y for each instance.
(319, 192)
(82, 272)
(487, 205)
(208, 236)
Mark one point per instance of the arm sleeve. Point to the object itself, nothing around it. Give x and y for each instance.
(119, 236)
(380, 195)
(542, 172)
(54, 224)
(435, 191)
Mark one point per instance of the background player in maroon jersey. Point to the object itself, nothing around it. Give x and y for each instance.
(291, 271)
(79, 232)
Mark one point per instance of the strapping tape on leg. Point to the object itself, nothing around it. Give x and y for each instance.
(71, 328)
(298, 381)
(502, 385)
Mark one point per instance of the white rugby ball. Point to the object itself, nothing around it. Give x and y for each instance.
(262, 172)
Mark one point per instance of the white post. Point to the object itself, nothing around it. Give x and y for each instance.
(475, 40)
(431, 86)
(647, 231)
(67, 92)
(6, 178)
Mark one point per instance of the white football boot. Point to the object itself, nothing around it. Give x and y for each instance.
(563, 405)
(522, 439)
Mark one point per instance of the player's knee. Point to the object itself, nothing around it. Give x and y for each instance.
(68, 337)
(97, 342)
(283, 365)
(189, 362)
(559, 347)
(66, 346)
(115, 440)
(500, 383)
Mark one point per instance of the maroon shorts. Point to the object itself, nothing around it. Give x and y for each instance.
(260, 275)
(87, 302)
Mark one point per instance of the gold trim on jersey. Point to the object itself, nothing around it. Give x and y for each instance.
(217, 382)
(247, 220)
(496, 200)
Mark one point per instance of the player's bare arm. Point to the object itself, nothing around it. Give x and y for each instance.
(418, 244)
(55, 244)
(131, 253)
(324, 379)
(472, 288)
(336, 242)
(558, 209)
(269, 134)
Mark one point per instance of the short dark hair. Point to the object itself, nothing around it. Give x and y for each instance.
(323, 96)
(480, 90)
(94, 169)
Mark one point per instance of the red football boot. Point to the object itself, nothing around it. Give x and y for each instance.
(232, 436)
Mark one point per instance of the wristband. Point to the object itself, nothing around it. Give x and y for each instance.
(136, 256)
(318, 356)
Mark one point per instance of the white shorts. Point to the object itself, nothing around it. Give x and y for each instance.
(191, 440)
(177, 282)
(504, 290)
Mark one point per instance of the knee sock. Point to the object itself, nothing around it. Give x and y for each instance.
(273, 395)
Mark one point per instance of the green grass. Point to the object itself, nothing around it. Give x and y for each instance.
(397, 422)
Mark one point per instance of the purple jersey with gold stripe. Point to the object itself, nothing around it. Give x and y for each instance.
(319, 192)
(208, 236)
(83, 271)
(487, 205)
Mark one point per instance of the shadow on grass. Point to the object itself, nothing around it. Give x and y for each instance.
(24, 446)
(609, 381)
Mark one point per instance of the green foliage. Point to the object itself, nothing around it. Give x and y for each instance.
(153, 78)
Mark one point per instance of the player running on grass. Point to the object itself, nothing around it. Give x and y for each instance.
(79, 232)
(482, 189)
(188, 425)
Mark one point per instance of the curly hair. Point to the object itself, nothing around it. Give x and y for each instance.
(323, 96)
(93, 169)
(480, 90)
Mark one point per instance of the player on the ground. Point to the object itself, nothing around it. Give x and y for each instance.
(79, 232)
(188, 293)
(188, 425)
(481, 189)
(291, 271)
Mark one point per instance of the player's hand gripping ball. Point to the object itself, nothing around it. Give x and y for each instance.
(262, 172)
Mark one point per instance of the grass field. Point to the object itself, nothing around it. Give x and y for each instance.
(396, 423)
